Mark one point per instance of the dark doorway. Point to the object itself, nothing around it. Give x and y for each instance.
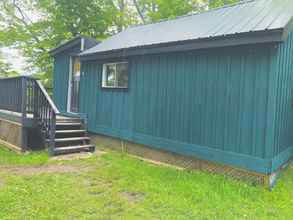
(74, 90)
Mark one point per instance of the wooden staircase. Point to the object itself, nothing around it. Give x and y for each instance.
(71, 136)
(60, 134)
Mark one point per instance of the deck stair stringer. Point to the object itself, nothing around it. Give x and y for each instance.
(71, 136)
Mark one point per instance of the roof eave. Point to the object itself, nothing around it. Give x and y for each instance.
(259, 37)
(288, 29)
(65, 46)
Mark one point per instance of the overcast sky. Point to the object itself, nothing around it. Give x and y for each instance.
(13, 56)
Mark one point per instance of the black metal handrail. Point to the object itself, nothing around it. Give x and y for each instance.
(28, 96)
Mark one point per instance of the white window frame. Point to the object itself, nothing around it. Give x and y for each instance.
(71, 62)
(104, 75)
(69, 84)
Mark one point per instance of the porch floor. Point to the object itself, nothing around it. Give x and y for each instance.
(17, 116)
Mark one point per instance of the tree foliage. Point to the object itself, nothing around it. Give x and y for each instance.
(219, 3)
(6, 69)
(154, 10)
(36, 26)
(57, 21)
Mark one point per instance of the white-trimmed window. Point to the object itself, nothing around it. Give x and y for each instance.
(115, 75)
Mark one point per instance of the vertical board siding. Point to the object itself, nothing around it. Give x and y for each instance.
(215, 99)
(60, 86)
(284, 98)
(61, 77)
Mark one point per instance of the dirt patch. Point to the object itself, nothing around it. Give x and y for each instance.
(97, 193)
(1, 183)
(77, 156)
(97, 182)
(99, 152)
(35, 170)
(133, 196)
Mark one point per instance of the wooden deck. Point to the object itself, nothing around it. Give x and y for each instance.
(17, 116)
(30, 119)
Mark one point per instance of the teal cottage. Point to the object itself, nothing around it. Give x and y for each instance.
(216, 85)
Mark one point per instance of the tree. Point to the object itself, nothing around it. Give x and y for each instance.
(219, 3)
(154, 10)
(125, 15)
(58, 21)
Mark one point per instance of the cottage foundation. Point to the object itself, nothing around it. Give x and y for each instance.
(10, 134)
(184, 162)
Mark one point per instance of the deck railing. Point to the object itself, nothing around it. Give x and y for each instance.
(26, 95)
(11, 94)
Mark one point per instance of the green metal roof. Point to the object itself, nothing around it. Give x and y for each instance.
(254, 21)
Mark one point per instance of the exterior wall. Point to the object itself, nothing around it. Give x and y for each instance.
(212, 104)
(283, 135)
(61, 77)
(60, 82)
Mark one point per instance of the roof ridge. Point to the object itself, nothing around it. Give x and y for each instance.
(241, 2)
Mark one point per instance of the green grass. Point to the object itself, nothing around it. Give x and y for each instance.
(117, 186)
(8, 157)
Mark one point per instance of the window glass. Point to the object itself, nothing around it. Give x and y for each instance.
(115, 75)
(122, 75)
(76, 67)
(110, 75)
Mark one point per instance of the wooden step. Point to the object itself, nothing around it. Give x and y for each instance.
(67, 123)
(70, 131)
(74, 148)
(69, 120)
(58, 140)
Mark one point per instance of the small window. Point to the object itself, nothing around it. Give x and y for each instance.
(115, 75)
(76, 66)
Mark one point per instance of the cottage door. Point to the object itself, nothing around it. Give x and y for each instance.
(74, 85)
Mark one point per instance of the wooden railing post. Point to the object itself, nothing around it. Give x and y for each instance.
(35, 100)
(52, 133)
(24, 133)
(23, 97)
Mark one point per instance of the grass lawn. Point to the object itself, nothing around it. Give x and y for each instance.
(116, 186)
